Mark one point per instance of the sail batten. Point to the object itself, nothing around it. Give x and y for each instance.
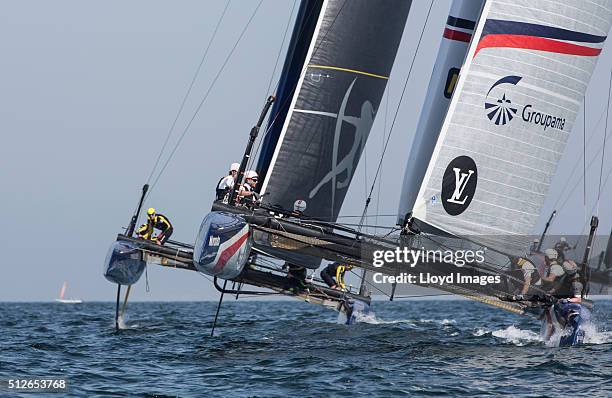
(519, 93)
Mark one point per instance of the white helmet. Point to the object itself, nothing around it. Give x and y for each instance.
(251, 174)
(299, 205)
(235, 167)
(563, 239)
(551, 254)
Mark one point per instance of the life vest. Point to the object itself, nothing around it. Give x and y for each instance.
(221, 192)
(247, 200)
(340, 271)
(535, 275)
(516, 271)
(160, 222)
(565, 287)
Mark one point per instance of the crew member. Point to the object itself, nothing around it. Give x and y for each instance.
(296, 277)
(333, 275)
(567, 287)
(561, 247)
(299, 207)
(226, 183)
(247, 194)
(160, 222)
(554, 271)
(531, 276)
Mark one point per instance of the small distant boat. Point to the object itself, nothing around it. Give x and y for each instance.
(63, 300)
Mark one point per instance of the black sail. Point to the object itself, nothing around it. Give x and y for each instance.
(333, 107)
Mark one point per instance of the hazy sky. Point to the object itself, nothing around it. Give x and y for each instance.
(88, 91)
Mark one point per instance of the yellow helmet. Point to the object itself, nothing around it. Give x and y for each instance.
(151, 211)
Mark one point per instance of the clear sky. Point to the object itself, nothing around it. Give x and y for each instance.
(89, 91)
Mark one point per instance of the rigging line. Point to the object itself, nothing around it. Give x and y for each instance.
(382, 147)
(370, 215)
(287, 101)
(567, 197)
(367, 282)
(367, 225)
(365, 181)
(280, 51)
(193, 80)
(399, 104)
(587, 222)
(575, 167)
(584, 156)
(424, 295)
(603, 154)
(212, 85)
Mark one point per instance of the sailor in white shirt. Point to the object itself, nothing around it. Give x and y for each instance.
(225, 184)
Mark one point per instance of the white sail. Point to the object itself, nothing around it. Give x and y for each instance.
(514, 107)
(451, 54)
(63, 300)
(63, 290)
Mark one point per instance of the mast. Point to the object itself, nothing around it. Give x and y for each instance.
(541, 241)
(585, 272)
(249, 148)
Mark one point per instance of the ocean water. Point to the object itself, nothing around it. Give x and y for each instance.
(286, 348)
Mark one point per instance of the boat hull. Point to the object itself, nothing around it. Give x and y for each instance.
(124, 263)
(355, 310)
(566, 321)
(223, 245)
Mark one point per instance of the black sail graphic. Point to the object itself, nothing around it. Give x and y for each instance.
(333, 108)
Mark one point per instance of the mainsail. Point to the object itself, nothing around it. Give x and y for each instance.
(332, 108)
(514, 107)
(453, 48)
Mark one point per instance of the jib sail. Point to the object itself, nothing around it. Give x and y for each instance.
(332, 109)
(455, 43)
(508, 122)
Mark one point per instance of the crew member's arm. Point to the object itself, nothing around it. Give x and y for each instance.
(144, 231)
(528, 270)
(526, 283)
(244, 193)
(555, 271)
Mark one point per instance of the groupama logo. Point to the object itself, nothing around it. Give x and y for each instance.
(500, 109)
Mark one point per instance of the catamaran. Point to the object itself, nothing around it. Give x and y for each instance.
(505, 91)
(63, 300)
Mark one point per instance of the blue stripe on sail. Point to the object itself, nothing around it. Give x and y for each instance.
(501, 27)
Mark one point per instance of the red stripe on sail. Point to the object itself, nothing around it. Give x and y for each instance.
(535, 43)
(456, 35)
(229, 252)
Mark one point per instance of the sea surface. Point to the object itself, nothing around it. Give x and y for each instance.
(293, 349)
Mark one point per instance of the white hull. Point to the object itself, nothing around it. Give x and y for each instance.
(69, 301)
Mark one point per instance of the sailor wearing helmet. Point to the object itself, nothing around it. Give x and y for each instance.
(247, 194)
(226, 183)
